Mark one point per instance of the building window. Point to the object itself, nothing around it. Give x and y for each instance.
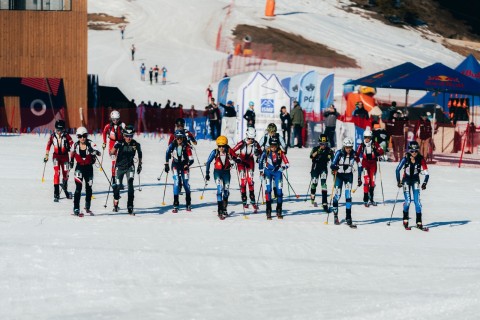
(40, 5)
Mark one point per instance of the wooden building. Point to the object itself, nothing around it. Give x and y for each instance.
(46, 39)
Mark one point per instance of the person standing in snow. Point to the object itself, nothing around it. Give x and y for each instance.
(331, 116)
(213, 113)
(223, 158)
(122, 31)
(164, 76)
(286, 126)
(133, 50)
(298, 123)
(156, 70)
(84, 152)
(247, 149)
(113, 131)
(182, 159)
(342, 167)
(61, 142)
(271, 165)
(412, 165)
(229, 120)
(150, 75)
(321, 155)
(369, 152)
(125, 151)
(249, 115)
(142, 72)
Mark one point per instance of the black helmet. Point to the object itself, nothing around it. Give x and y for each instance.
(128, 131)
(180, 122)
(274, 141)
(413, 146)
(179, 134)
(60, 125)
(323, 139)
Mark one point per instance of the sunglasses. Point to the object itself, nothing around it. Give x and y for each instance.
(82, 135)
(129, 137)
(221, 147)
(250, 139)
(414, 151)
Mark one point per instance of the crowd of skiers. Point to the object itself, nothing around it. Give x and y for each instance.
(267, 155)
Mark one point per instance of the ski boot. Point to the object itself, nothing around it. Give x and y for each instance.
(255, 207)
(244, 200)
(87, 210)
(115, 205)
(325, 207)
(188, 201)
(419, 222)
(77, 212)
(279, 211)
(130, 210)
(175, 204)
(365, 200)
(269, 210)
(348, 218)
(405, 221)
(371, 202)
(312, 200)
(220, 210)
(335, 216)
(56, 193)
(225, 205)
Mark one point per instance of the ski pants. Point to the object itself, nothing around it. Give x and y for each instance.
(222, 179)
(60, 164)
(246, 177)
(111, 143)
(408, 188)
(83, 173)
(277, 177)
(315, 174)
(180, 178)
(120, 173)
(369, 173)
(330, 132)
(341, 179)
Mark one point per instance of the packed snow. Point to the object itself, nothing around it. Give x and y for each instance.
(160, 265)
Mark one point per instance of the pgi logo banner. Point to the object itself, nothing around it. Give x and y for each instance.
(267, 106)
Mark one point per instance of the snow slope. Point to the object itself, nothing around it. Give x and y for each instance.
(159, 265)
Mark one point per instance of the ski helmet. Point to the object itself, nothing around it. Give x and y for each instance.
(222, 141)
(179, 134)
(180, 122)
(413, 146)
(347, 142)
(81, 131)
(323, 139)
(128, 131)
(251, 104)
(272, 128)
(274, 141)
(251, 133)
(367, 133)
(115, 115)
(60, 125)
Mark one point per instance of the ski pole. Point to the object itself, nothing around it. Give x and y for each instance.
(139, 183)
(260, 191)
(398, 191)
(286, 177)
(239, 185)
(43, 174)
(196, 155)
(290, 186)
(263, 191)
(164, 190)
(331, 196)
(101, 161)
(108, 193)
(381, 182)
(204, 187)
(161, 174)
(306, 194)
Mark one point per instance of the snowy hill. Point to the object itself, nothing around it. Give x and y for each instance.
(160, 265)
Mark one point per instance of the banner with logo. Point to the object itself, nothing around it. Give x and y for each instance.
(326, 92)
(223, 91)
(309, 94)
(295, 86)
(268, 95)
(286, 83)
(199, 127)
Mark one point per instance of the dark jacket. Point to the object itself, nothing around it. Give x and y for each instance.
(250, 117)
(361, 113)
(331, 118)
(126, 153)
(213, 112)
(286, 121)
(230, 111)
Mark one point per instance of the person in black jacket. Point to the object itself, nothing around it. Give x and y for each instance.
(250, 115)
(213, 114)
(229, 120)
(125, 151)
(321, 155)
(360, 111)
(286, 125)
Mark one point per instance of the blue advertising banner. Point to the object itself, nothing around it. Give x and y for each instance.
(286, 83)
(295, 86)
(223, 91)
(326, 92)
(308, 87)
(199, 127)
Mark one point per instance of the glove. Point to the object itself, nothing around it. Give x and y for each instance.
(46, 158)
(167, 168)
(359, 182)
(207, 177)
(258, 160)
(104, 146)
(424, 186)
(71, 164)
(261, 173)
(139, 168)
(399, 184)
(334, 169)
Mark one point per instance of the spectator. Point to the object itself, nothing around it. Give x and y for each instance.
(122, 31)
(142, 72)
(141, 117)
(229, 120)
(150, 74)
(392, 110)
(164, 75)
(360, 111)
(180, 111)
(331, 115)
(213, 114)
(396, 130)
(380, 136)
(376, 115)
(133, 49)
(156, 70)
(209, 93)
(229, 60)
(423, 134)
(192, 113)
(168, 106)
(298, 123)
(286, 125)
(249, 116)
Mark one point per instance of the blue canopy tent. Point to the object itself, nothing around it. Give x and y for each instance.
(379, 78)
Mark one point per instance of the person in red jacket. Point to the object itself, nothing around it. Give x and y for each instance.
(113, 131)
(423, 135)
(61, 142)
(369, 151)
(247, 149)
(84, 153)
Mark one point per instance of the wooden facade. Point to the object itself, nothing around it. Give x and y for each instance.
(48, 44)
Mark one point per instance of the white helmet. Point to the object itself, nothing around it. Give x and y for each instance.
(367, 133)
(81, 131)
(251, 133)
(347, 142)
(115, 115)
